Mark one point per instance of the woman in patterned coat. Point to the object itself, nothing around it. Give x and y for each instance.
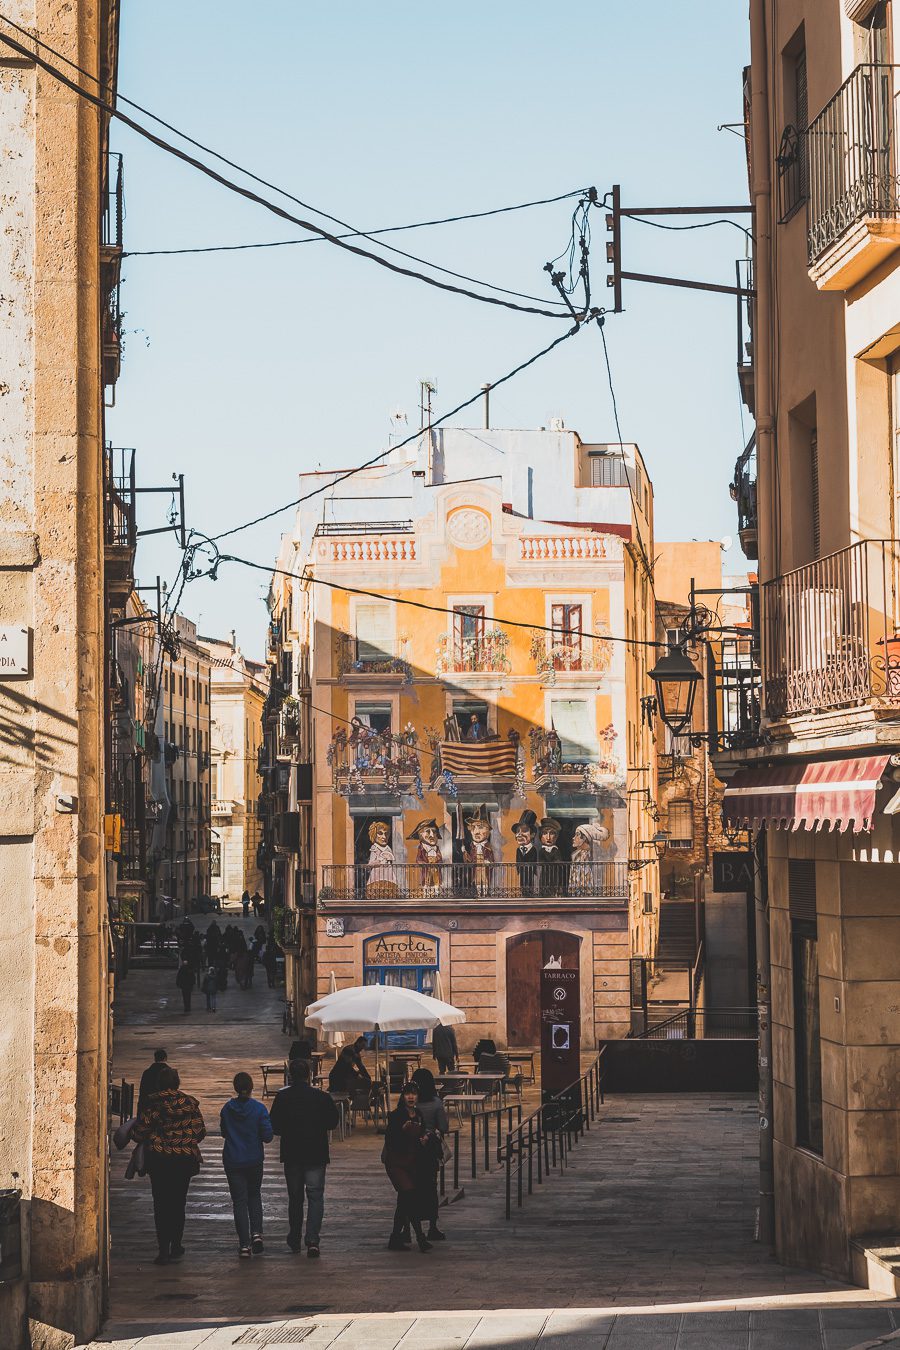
(171, 1128)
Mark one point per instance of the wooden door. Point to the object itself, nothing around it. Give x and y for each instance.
(526, 956)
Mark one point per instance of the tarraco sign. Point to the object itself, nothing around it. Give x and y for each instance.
(400, 949)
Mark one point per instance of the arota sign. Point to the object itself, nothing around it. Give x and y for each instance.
(400, 949)
(560, 1030)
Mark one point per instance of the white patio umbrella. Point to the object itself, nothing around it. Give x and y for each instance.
(438, 987)
(380, 1008)
(333, 1038)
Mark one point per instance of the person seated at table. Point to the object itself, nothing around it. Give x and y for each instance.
(348, 1074)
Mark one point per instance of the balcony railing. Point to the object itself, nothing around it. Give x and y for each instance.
(830, 632)
(852, 156)
(554, 759)
(460, 881)
(120, 523)
(357, 656)
(474, 655)
(375, 761)
(733, 688)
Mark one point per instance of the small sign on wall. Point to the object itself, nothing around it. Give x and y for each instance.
(15, 651)
(732, 872)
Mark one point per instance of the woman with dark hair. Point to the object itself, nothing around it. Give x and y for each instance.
(405, 1143)
(171, 1127)
(434, 1117)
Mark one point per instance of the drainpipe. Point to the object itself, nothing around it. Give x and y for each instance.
(769, 551)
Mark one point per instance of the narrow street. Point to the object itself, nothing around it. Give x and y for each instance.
(655, 1210)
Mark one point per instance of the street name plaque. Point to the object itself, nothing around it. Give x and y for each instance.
(14, 651)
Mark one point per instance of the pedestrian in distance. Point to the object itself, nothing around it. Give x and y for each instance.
(185, 982)
(246, 1129)
(406, 1163)
(150, 1079)
(210, 988)
(444, 1048)
(171, 1127)
(245, 904)
(301, 1117)
(434, 1117)
(270, 961)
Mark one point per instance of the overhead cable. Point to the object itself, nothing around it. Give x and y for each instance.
(435, 422)
(111, 111)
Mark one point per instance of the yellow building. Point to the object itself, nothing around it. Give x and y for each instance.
(437, 728)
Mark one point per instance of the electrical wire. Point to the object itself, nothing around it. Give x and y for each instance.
(700, 225)
(112, 111)
(414, 604)
(634, 506)
(352, 234)
(435, 422)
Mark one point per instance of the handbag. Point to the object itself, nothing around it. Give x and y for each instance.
(137, 1163)
(122, 1135)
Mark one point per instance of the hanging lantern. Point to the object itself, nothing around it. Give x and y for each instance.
(675, 678)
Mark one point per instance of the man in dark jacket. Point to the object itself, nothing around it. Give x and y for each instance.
(150, 1079)
(302, 1116)
(185, 981)
(444, 1048)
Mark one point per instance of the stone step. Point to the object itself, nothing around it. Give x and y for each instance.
(876, 1262)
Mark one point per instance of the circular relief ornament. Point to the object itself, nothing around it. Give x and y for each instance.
(469, 528)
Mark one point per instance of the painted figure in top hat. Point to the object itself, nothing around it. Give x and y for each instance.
(525, 831)
(550, 858)
(428, 855)
(478, 852)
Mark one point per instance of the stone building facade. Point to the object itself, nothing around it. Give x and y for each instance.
(818, 787)
(238, 691)
(59, 337)
(437, 731)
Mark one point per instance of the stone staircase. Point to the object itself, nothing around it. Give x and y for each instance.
(876, 1262)
(676, 945)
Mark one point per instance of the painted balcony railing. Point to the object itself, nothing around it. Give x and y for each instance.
(555, 760)
(602, 881)
(477, 655)
(830, 632)
(571, 652)
(356, 656)
(363, 761)
(852, 153)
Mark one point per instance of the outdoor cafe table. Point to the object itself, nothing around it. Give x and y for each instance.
(279, 1067)
(489, 1083)
(408, 1056)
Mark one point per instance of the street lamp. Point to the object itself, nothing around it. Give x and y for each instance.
(675, 678)
(659, 841)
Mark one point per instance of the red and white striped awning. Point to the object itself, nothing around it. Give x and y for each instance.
(834, 794)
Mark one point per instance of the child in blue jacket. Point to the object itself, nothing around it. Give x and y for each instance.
(246, 1127)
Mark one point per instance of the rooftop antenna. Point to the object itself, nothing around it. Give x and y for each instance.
(426, 389)
(487, 406)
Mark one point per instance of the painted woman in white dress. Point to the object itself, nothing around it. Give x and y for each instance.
(582, 878)
(381, 879)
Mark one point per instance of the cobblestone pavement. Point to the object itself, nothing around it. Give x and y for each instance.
(645, 1242)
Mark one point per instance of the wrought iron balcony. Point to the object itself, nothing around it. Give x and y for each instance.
(853, 178)
(366, 761)
(290, 930)
(556, 763)
(356, 656)
(830, 632)
(485, 654)
(119, 521)
(601, 881)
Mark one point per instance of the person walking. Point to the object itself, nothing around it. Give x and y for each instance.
(210, 988)
(434, 1117)
(270, 961)
(172, 1128)
(404, 1141)
(185, 982)
(246, 1128)
(444, 1048)
(150, 1079)
(301, 1117)
(245, 904)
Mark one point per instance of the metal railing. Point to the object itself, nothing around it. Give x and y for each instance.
(542, 1142)
(290, 928)
(830, 632)
(484, 1125)
(474, 655)
(722, 1024)
(113, 201)
(463, 881)
(121, 1100)
(357, 656)
(120, 521)
(852, 157)
(793, 173)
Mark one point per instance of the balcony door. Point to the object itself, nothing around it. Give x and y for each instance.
(468, 634)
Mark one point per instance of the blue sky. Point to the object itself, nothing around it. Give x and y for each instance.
(243, 369)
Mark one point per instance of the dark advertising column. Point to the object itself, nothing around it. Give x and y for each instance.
(560, 1032)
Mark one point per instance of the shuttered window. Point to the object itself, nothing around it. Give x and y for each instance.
(566, 622)
(802, 889)
(374, 632)
(608, 471)
(681, 824)
(573, 722)
(801, 102)
(468, 631)
(814, 492)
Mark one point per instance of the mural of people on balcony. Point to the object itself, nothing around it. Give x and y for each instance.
(525, 831)
(381, 879)
(478, 853)
(428, 855)
(551, 865)
(475, 731)
(583, 876)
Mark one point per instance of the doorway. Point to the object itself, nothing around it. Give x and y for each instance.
(526, 956)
